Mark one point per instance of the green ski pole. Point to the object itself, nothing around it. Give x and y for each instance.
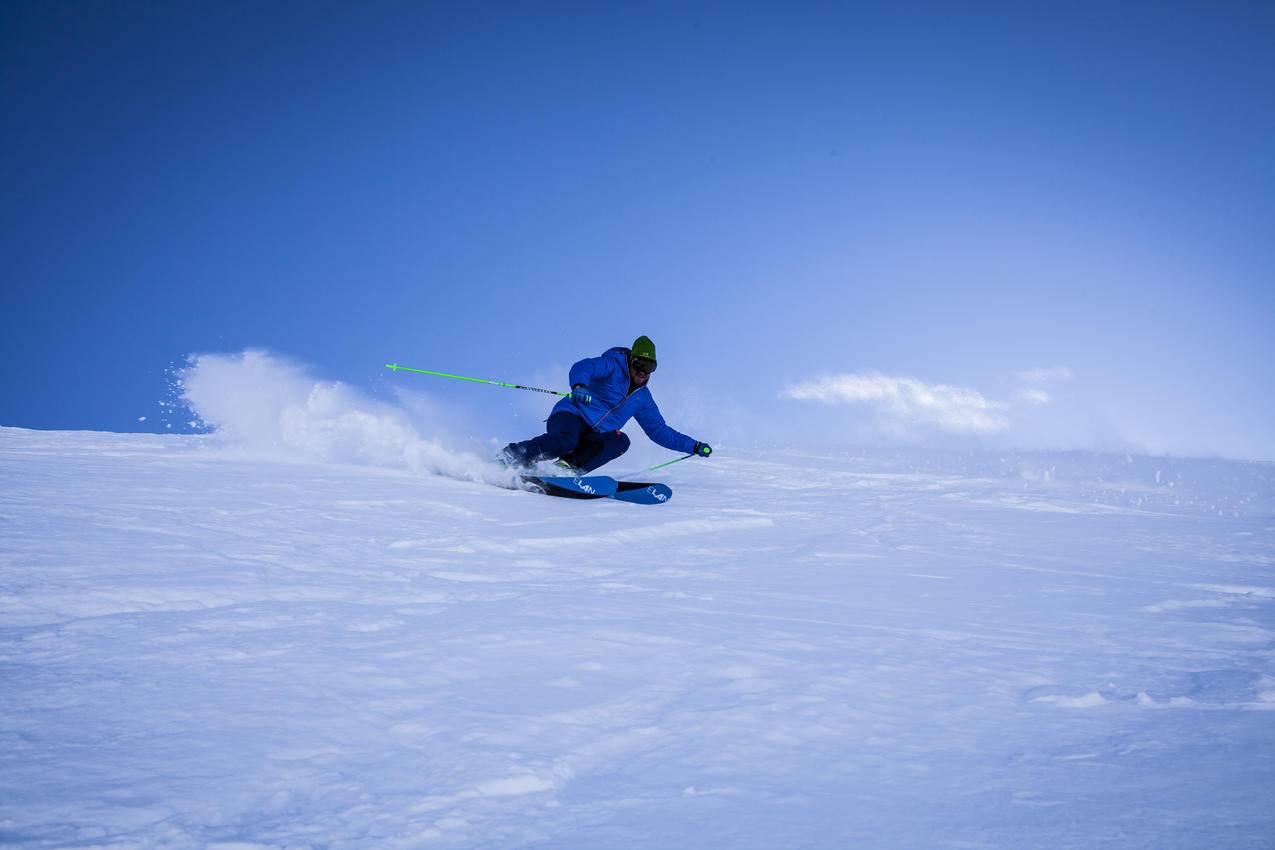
(397, 368)
(653, 468)
(670, 462)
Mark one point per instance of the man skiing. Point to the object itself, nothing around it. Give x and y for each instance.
(583, 430)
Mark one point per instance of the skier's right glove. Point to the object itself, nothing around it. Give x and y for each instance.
(702, 450)
(580, 394)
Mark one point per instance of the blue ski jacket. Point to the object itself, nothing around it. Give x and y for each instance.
(607, 378)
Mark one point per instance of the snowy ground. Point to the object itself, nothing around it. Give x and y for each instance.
(201, 649)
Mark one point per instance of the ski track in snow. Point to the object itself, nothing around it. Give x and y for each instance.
(799, 650)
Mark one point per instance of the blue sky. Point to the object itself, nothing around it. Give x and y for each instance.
(1061, 218)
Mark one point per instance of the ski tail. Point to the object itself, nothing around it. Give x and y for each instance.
(574, 487)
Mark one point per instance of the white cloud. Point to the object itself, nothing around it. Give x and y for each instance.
(1036, 396)
(1045, 376)
(908, 401)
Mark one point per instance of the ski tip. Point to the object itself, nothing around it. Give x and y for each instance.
(643, 493)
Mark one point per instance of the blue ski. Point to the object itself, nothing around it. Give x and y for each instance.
(643, 492)
(600, 487)
(574, 487)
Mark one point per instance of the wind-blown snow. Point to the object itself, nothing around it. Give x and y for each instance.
(211, 648)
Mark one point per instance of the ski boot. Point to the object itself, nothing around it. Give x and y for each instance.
(567, 469)
(512, 459)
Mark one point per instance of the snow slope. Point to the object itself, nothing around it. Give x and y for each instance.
(201, 648)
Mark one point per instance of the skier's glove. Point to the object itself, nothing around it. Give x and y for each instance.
(580, 394)
(702, 449)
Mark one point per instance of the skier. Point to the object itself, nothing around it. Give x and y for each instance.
(583, 430)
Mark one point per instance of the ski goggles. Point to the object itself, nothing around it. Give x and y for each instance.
(641, 364)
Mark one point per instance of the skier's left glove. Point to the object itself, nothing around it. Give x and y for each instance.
(580, 394)
(702, 450)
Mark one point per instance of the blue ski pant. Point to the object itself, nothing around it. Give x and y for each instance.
(569, 437)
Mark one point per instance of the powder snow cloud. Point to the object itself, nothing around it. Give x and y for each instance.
(263, 403)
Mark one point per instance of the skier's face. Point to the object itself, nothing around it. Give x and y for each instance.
(639, 377)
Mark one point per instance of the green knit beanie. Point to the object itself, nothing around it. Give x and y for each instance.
(643, 347)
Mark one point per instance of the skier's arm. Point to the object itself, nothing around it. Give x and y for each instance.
(652, 422)
(589, 370)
